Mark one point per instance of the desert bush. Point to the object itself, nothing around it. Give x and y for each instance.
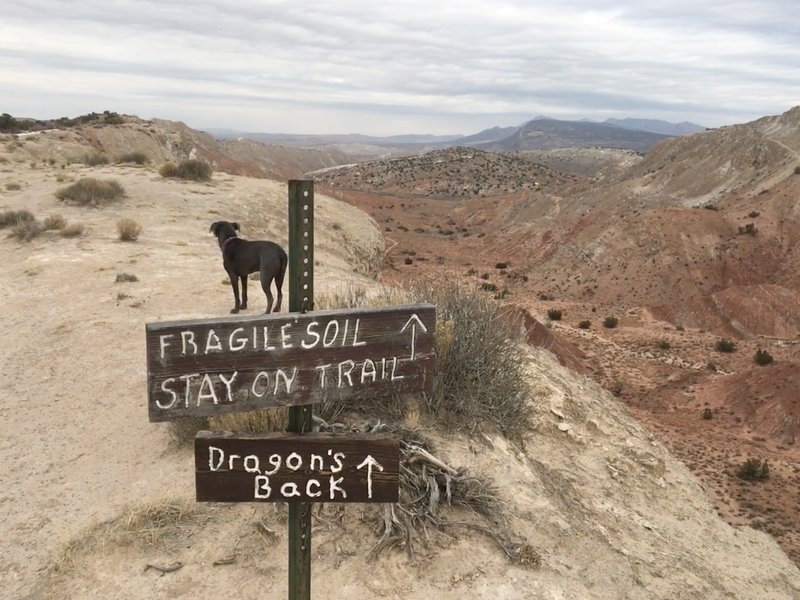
(408, 260)
(128, 230)
(13, 186)
(168, 169)
(72, 230)
(27, 230)
(94, 159)
(55, 221)
(89, 190)
(585, 324)
(753, 470)
(9, 218)
(725, 345)
(136, 157)
(488, 287)
(762, 357)
(797, 170)
(708, 414)
(479, 374)
(748, 228)
(196, 170)
(555, 314)
(664, 345)
(501, 265)
(610, 322)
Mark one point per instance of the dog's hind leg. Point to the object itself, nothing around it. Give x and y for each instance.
(244, 292)
(235, 286)
(266, 282)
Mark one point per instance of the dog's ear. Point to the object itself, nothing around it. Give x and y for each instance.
(236, 226)
(214, 227)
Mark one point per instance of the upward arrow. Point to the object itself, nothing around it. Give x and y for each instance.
(414, 322)
(369, 462)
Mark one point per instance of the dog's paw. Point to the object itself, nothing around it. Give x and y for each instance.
(234, 311)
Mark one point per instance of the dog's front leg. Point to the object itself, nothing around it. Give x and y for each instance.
(235, 285)
(244, 292)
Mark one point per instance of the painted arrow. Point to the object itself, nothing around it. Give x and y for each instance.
(414, 321)
(370, 462)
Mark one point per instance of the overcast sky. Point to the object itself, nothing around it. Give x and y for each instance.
(388, 67)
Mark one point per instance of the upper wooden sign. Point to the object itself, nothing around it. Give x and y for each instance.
(208, 366)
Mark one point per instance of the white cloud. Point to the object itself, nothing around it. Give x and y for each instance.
(396, 67)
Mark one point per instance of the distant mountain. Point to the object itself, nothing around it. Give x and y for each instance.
(551, 133)
(317, 140)
(657, 126)
(495, 134)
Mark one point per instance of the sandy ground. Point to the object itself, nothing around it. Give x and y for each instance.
(610, 513)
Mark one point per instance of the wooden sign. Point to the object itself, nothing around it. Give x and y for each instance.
(209, 366)
(287, 467)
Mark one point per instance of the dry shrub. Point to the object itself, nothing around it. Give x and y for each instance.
(128, 229)
(55, 221)
(182, 431)
(94, 159)
(196, 170)
(168, 169)
(72, 230)
(479, 374)
(27, 230)
(91, 191)
(10, 218)
(13, 186)
(136, 157)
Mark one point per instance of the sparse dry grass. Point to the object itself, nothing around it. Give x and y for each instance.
(164, 521)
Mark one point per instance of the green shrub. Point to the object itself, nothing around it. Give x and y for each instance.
(94, 159)
(610, 322)
(708, 414)
(664, 345)
(555, 314)
(762, 357)
(725, 345)
(137, 157)
(128, 229)
(488, 287)
(585, 324)
(196, 170)
(89, 190)
(753, 470)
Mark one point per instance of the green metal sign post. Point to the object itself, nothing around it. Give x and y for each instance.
(301, 299)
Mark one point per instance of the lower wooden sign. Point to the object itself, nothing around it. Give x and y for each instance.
(288, 467)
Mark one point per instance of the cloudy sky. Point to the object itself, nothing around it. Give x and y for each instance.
(388, 67)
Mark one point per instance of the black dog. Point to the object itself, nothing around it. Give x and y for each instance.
(241, 257)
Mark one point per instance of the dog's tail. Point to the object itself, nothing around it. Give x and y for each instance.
(283, 261)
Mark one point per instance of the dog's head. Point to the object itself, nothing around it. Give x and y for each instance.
(224, 230)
